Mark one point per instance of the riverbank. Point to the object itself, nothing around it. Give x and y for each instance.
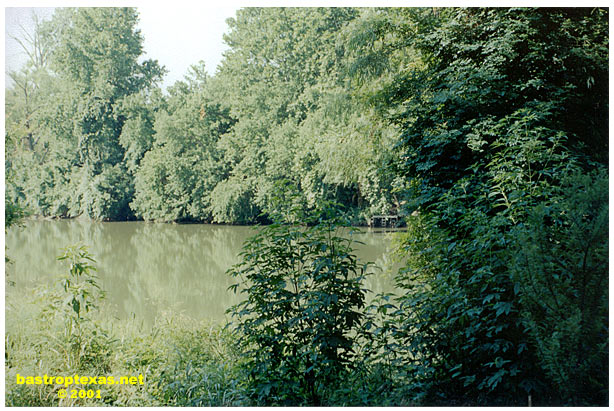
(184, 362)
(386, 223)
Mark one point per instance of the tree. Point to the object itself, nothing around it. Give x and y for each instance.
(284, 76)
(29, 127)
(177, 176)
(78, 165)
(491, 127)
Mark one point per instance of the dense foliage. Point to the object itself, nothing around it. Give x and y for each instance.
(303, 306)
(560, 262)
(494, 127)
(63, 145)
(485, 129)
(89, 134)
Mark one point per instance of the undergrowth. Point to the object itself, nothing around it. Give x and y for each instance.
(184, 362)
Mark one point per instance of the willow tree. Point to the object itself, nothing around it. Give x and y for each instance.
(93, 65)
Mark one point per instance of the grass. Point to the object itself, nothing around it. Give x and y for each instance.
(184, 362)
(63, 330)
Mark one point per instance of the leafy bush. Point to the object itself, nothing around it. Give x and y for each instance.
(561, 262)
(492, 126)
(13, 216)
(302, 311)
(88, 344)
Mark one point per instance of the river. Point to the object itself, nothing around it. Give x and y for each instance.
(146, 269)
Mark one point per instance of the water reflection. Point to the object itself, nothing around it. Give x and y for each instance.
(149, 268)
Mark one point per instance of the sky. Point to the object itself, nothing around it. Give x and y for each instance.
(181, 33)
(176, 36)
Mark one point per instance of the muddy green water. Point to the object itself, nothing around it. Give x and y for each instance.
(147, 269)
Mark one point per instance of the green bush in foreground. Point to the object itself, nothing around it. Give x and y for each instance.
(301, 312)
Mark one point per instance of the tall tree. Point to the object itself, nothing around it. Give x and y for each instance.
(94, 66)
(177, 175)
(510, 104)
(277, 57)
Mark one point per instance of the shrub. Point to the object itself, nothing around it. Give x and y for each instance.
(302, 311)
(561, 262)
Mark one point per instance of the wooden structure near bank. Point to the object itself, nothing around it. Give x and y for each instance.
(384, 221)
